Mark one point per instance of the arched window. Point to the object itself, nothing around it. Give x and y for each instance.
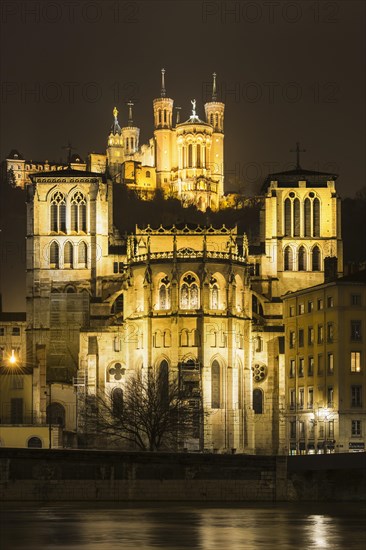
(258, 401)
(189, 293)
(211, 119)
(117, 306)
(302, 259)
(164, 293)
(190, 155)
(55, 414)
(316, 218)
(148, 174)
(34, 443)
(78, 212)
(288, 259)
(198, 155)
(307, 218)
(117, 402)
(58, 213)
(215, 385)
(54, 255)
(83, 254)
(296, 231)
(163, 380)
(315, 259)
(287, 217)
(68, 255)
(214, 294)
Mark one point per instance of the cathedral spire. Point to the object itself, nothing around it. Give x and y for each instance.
(214, 92)
(130, 118)
(163, 90)
(115, 129)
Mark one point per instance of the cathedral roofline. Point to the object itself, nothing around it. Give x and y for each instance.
(69, 173)
(290, 178)
(183, 228)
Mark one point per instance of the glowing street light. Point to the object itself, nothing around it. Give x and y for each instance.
(12, 359)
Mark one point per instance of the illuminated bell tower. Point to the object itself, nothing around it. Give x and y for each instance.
(130, 136)
(163, 134)
(215, 117)
(115, 146)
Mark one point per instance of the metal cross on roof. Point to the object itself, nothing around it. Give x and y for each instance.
(298, 151)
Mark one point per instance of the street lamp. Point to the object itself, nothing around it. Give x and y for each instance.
(12, 358)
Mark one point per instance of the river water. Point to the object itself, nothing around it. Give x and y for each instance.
(180, 527)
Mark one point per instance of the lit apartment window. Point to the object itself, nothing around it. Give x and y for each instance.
(320, 304)
(292, 368)
(356, 335)
(330, 363)
(330, 396)
(292, 339)
(301, 367)
(310, 365)
(330, 302)
(355, 361)
(310, 336)
(292, 311)
(356, 299)
(301, 398)
(331, 429)
(310, 398)
(356, 430)
(356, 396)
(301, 309)
(320, 334)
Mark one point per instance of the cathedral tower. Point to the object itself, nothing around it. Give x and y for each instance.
(215, 117)
(163, 120)
(115, 146)
(130, 135)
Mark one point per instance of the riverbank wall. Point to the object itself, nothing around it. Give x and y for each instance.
(81, 475)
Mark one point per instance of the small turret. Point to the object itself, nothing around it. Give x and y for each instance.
(215, 110)
(130, 134)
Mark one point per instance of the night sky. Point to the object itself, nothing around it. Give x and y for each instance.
(287, 71)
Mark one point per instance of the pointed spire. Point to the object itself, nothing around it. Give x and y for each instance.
(115, 129)
(214, 92)
(130, 119)
(163, 90)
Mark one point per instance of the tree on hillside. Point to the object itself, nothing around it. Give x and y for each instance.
(149, 413)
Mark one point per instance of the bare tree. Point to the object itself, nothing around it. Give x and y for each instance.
(150, 413)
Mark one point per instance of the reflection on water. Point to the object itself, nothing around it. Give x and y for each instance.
(172, 526)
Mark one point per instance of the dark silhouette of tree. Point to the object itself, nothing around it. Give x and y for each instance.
(150, 413)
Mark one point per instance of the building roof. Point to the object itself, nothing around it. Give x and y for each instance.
(67, 173)
(290, 178)
(358, 278)
(12, 316)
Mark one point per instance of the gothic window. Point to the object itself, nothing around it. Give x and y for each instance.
(116, 372)
(78, 212)
(159, 116)
(189, 293)
(288, 259)
(54, 255)
(164, 293)
(68, 255)
(287, 217)
(307, 218)
(296, 218)
(316, 218)
(117, 402)
(302, 259)
(83, 254)
(214, 293)
(198, 156)
(58, 213)
(215, 385)
(190, 155)
(258, 401)
(315, 259)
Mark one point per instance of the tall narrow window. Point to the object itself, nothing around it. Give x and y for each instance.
(198, 156)
(78, 213)
(68, 255)
(82, 254)
(258, 401)
(190, 155)
(287, 218)
(215, 385)
(315, 257)
(58, 213)
(117, 402)
(163, 381)
(307, 218)
(316, 218)
(164, 294)
(54, 255)
(189, 293)
(288, 260)
(296, 218)
(302, 259)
